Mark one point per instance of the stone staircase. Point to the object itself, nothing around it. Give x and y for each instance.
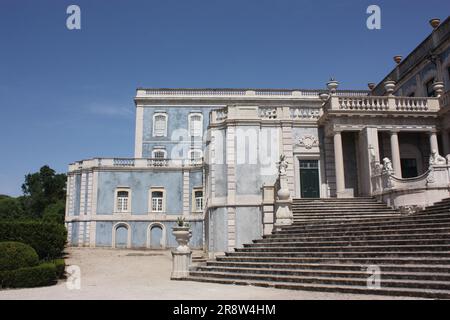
(333, 242)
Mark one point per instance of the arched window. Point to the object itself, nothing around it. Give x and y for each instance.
(122, 200)
(196, 125)
(160, 125)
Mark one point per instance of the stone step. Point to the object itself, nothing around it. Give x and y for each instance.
(298, 228)
(393, 283)
(337, 248)
(329, 266)
(347, 254)
(361, 273)
(435, 294)
(337, 232)
(341, 260)
(325, 218)
(297, 238)
(426, 241)
(403, 219)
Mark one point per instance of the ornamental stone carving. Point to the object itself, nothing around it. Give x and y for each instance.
(435, 158)
(308, 141)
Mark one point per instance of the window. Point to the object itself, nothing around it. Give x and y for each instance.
(412, 94)
(122, 201)
(195, 155)
(198, 200)
(159, 125)
(157, 200)
(196, 125)
(429, 87)
(159, 154)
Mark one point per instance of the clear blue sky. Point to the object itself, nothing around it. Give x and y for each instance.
(68, 95)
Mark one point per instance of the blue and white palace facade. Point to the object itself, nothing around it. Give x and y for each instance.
(209, 156)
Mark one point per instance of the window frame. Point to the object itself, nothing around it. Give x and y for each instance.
(116, 200)
(163, 200)
(160, 114)
(159, 150)
(194, 200)
(190, 125)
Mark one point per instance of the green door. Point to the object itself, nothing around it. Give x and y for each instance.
(309, 178)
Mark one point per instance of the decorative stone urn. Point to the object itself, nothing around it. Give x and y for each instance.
(371, 85)
(182, 234)
(398, 59)
(435, 22)
(332, 85)
(389, 86)
(438, 88)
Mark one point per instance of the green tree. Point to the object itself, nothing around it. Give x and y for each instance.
(42, 189)
(55, 212)
(10, 208)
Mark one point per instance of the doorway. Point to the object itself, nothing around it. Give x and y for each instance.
(309, 179)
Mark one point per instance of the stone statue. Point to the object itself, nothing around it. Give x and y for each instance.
(387, 165)
(282, 165)
(435, 158)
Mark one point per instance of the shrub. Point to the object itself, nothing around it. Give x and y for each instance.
(15, 255)
(41, 275)
(60, 265)
(48, 239)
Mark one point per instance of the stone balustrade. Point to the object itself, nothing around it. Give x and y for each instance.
(165, 93)
(123, 163)
(265, 113)
(421, 191)
(380, 104)
(444, 100)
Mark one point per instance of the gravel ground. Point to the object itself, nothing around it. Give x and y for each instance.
(139, 274)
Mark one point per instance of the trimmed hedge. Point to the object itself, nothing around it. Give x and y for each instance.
(48, 239)
(60, 265)
(41, 275)
(15, 255)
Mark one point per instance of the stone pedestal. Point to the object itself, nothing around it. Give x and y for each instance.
(180, 265)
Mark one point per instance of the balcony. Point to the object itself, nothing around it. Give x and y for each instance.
(133, 163)
(381, 104)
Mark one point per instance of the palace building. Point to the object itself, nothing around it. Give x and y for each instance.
(210, 156)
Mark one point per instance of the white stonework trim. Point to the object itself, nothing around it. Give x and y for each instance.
(92, 234)
(82, 194)
(69, 233)
(114, 229)
(141, 217)
(231, 186)
(163, 234)
(287, 143)
(139, 132)
(81, 233)
(186, 209)
(94, 193)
